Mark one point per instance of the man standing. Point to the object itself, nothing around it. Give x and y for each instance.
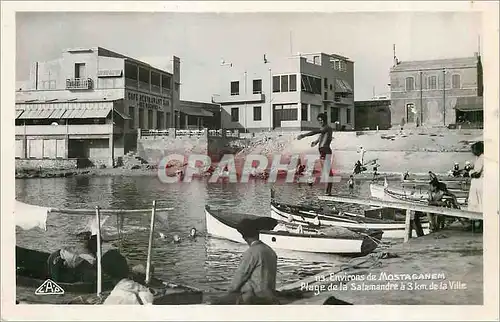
(324, 141)
(255, 279)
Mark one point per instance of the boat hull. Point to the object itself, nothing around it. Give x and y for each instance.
(390, 229)
(295, 242)
(399, 195)
(32, 272)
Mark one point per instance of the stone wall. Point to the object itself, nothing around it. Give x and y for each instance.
(153, 149)
(53, 164)
(417, 151)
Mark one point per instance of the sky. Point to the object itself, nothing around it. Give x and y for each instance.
(201, 40)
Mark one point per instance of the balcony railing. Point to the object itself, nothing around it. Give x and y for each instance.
(79, 83)
(343, 101)
(254, 98)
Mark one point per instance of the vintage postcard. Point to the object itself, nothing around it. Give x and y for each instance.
(192, 160)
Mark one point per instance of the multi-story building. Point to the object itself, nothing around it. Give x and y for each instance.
(89, 104)
(437, 92)
(288, 94)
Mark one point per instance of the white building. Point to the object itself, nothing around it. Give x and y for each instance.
(288, 93)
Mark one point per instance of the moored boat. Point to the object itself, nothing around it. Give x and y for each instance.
(32, 267)
(223, 225)
(384, 192)
(32, 272)
(314, 216)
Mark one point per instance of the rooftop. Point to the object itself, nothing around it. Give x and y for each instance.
(436, 64)
(101, 51)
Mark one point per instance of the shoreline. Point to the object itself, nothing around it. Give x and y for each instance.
(111, 172)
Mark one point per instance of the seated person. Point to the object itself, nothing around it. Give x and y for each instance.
(467, 169)
(456, 170)
(126, 290)
(441, 197)
(74, 265)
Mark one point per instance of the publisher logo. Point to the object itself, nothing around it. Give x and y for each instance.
(49, 287)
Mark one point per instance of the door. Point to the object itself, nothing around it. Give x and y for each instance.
(277, 116)
(80, 71)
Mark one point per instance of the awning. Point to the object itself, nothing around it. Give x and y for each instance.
(95, 113)
(58, 113)
(342, 86)
(31, 114)
(18, 113)
(196, 112)
(123, 115)
(469, 104)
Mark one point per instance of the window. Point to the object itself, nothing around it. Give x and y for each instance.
(326, 83)
(287, 112)
(410, 113)
(143, 75)
(311, 84)
(131, 71)
(79, 70)
(257, 113)
(325, 96)
(141, 118)
(155, 79)
(166, 81)
(455, 81)
(160, 120)
(235, 114)
(339, 65)
(150, 119)
(235, 88)
(348, 116)
(276, 84)
(293, 83)
(410, 83)
(131, 113)
(316, 60)
(257, 86)
(303, 112)
(284, 83)
(343, 66)
(432, 82)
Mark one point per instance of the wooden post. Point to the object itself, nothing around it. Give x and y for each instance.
(150, 245)
(99, 251)
(407, 225)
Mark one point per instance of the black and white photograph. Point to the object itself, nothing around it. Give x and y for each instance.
(198, 159)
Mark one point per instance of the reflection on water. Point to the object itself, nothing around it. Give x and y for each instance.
(204, 262)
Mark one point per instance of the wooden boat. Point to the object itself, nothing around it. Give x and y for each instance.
(391, 229)
(31, 271)
(458, 185)
(222, 225)
(384, 192)
(32, 265)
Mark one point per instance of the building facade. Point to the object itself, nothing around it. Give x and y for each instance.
(437, 92)
(288, 94)
(373, 114)
(89, 104)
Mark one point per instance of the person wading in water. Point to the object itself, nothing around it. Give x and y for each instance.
(324, 141)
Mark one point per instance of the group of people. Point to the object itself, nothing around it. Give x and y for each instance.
(465, 172)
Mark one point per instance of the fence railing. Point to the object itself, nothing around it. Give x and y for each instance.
(188, 132)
